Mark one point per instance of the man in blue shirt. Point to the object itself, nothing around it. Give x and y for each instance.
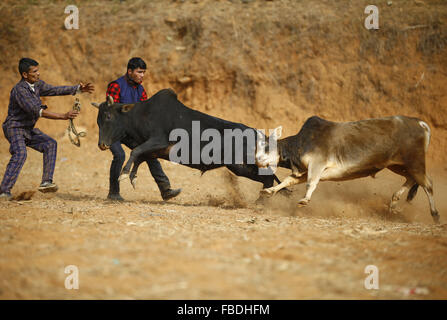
(128, 89)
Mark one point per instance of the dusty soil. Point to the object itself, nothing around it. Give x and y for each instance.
(213, 241)
(263, 63)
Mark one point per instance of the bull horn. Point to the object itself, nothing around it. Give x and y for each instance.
(96, 105)
(277, 132)
(110, 100)
(260, 134)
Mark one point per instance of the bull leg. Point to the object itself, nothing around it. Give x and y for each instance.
(313, 177)
(416, 169)
(289, 181)
(396, 196)
(426, 184)
(402, 170)
(151, 145)
(412, 192)
(133, 173)
(428, 188)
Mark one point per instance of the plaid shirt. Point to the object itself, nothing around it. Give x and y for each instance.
(25, 104)
(114, 90)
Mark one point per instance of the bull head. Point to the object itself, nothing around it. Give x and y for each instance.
(266, 150)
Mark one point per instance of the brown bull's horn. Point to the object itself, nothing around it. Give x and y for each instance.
(96, 105)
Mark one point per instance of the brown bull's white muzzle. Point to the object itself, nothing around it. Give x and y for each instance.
(261, 165)
(264, 160)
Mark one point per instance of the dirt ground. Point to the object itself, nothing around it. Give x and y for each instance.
(261, 63)
(213, 241)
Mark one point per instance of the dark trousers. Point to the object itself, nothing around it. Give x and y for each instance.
(19, 139)
(117, 163)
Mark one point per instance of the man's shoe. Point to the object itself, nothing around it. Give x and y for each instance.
(169, 194)
(5, 196)
(47, 187)
(115, 197)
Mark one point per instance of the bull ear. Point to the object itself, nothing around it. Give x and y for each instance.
(110, 100)
(260, 134)
(96, 105)
(277, 132)
(127, 107)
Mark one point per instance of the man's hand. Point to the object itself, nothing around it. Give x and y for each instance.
(60, 116)
(86, 87)
(71, 114)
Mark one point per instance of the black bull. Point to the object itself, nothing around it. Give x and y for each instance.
(145, 127)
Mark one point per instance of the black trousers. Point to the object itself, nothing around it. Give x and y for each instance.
(117, 163)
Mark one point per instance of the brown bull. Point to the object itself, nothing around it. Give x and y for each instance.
(331, 151)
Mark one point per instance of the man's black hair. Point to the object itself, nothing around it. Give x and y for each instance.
(135, 63)
(26, 63)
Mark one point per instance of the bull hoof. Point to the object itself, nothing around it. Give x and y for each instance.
(133, 182)
(267, 192)
(303, 202)
(123, 176)
(285, 192)
(393, 209)
(262, 199)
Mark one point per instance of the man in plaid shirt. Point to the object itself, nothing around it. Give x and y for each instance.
(128, 89)
(25, 108)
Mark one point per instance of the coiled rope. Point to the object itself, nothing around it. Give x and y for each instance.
(71, 128)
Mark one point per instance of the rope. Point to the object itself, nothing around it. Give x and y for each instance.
(71, 128)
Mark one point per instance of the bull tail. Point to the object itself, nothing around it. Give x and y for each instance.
(427, 133)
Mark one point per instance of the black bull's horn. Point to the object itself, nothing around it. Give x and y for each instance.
(109, 102)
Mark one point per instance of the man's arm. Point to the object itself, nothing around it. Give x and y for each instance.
(59, 116)
(27, 101)
(114, 91)
(49, 90)
(46, 89)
